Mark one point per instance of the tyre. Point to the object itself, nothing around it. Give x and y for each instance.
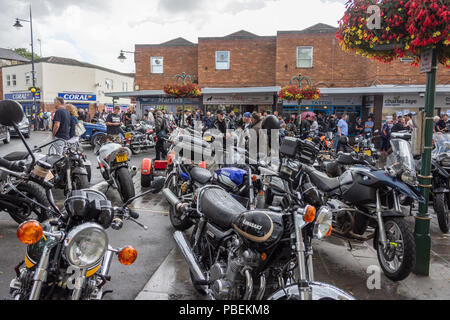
(89, 172)
(178, 223)
(398, 258)
(98, 140)
(125, 183)
(146, 180)
(8, 137)
(80, 181)
(441, 207)
(135, 149)
(29, 211)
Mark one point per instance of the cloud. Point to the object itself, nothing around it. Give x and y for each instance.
(96, 31)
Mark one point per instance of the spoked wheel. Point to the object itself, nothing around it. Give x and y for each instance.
(442, 209)
(398, 257)
(135, 149)
(177, 222)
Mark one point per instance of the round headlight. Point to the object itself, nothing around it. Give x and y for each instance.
(409, 178)
(324, 222)
(86, 244)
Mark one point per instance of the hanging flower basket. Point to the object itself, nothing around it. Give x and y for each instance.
(188, 90)
(406, 27)
(292, 92)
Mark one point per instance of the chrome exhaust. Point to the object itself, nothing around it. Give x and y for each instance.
(248, 286)
(173, 200)
(133, 171)
(186, 251)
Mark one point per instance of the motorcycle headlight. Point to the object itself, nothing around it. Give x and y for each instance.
(445, 162)
(86, 245)
(323, 224)
(409, 178)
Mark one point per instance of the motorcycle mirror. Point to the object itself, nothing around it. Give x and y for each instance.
(11, 113)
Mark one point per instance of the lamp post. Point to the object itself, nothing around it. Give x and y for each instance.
(122, 57)
(183, 78)
(300, 79)
(18, 25)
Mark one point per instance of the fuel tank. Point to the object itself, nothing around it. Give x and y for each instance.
(260, 228)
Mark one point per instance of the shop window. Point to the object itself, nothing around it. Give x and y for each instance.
(157, 64)
(8, 80)
(222, 60)
(305, 57)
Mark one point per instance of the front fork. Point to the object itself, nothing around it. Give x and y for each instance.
(381, 230)
(303, 284)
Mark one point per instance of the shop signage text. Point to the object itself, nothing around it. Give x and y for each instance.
(20, 96)
(238, 100)
(77, 96)
(163, 101)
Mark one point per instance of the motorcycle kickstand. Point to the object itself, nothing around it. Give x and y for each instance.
(350, 247)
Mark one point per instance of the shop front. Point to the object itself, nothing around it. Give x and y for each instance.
(238, 103)
(25, 98)
(167, 104)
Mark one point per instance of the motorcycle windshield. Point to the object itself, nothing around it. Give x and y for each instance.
(401, 155)
(441, 143)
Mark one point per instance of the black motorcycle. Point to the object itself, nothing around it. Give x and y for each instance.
(363, 197)
(71, 170)
(240, 254)
(140, 138)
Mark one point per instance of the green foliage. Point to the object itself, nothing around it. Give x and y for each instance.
(25, 53)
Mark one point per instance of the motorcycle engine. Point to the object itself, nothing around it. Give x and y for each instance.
(227, 274)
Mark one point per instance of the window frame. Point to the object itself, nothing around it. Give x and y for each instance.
(297, 57)
(14, 80)
(8, 80)
(28, 78)
(107, 85)
(228, 60)
(152, 71)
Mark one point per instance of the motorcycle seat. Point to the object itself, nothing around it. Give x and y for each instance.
(16, 156)
(220, 207)
(322, 181)
(201, 175)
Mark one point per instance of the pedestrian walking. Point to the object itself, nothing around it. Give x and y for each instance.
(61, 126)
(113, 123)
(161, 130)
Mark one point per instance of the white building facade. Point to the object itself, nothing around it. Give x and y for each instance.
(81, 84)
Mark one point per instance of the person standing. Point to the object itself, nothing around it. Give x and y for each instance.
(358, 127)
(134, 118)
(315, 126)
(443, 125)
(161, 134)
(368, 125)
(342, 130)
(208, 120)
(74, 118)
(113, 123)
(61, 125)
(385, 136)
(305, 127)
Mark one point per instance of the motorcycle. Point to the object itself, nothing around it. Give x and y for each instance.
(140, 138)
(113, 160)
(231, 248)
(440, 170)
(363, 197)
(71, 170)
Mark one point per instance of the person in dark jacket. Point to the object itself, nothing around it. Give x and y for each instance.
(161, 134)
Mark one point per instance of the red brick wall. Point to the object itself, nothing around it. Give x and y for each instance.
(177, 59)
(252, 62)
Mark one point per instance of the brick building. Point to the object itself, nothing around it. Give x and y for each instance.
(244, 71)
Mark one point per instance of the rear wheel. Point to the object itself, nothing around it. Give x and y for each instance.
(397, 259)
(29, 211)
(441, 207)
(125, 183)
(135, 149)
(178, 223)
(99, 139)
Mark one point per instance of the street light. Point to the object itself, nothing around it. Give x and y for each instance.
(183, 78)
(18, 25)
(121, 56)
(300, 79)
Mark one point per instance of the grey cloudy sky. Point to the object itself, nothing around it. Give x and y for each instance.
(94, 31)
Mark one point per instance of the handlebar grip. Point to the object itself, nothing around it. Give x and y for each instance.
(134, 214)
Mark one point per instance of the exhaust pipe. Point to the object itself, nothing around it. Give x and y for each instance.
(186, 251)
(133, 171)
(173, 200)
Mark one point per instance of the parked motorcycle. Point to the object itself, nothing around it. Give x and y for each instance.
(141, 137)
(231, 249)
(71, 170)
(113, 160)
(365, 196)
(440, 170)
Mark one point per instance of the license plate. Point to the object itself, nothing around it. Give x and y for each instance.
(49, 176)
(208, 138)
(121, 158)
(368, 152)
(127, 135)
(309, 139)
(356, 149)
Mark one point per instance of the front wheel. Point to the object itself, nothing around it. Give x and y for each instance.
(398, 257)
(441, 207)
(178, 223)
(125, 183)
(27, 210)
(135, 149)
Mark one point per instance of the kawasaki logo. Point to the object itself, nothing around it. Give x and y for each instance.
(252, 225)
